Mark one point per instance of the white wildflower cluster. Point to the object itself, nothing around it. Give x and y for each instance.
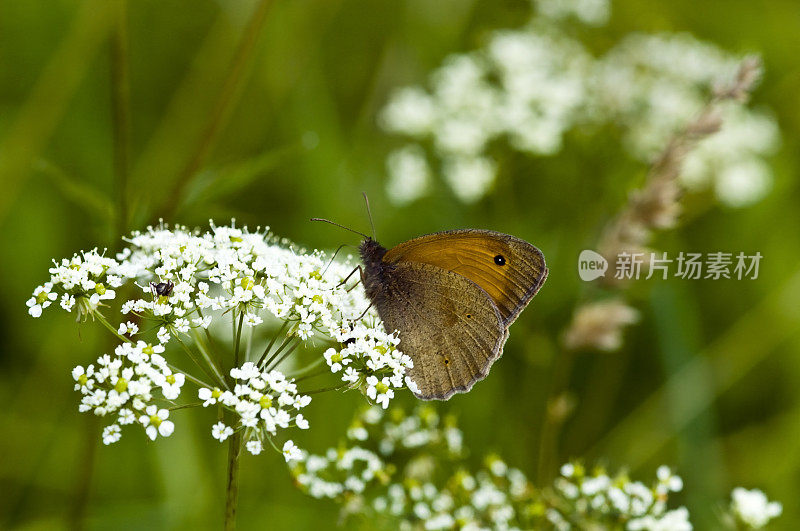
(125, 386)
(83, 280)
(599, 499)
(653, 85)
(369, 359)
(531, 86)
(376, 442)
(262, 401)
(186, 286)
(752, 509)
(187, 280)
(411, 468)
(228, 269)
(592, 12)
(525, 87)
(393, 463)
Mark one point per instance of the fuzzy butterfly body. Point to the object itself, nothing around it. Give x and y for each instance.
(452, 296)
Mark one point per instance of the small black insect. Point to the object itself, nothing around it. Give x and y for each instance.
(162, 289)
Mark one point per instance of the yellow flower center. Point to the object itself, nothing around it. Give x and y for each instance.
(155, 420)
(41, 297)
(216, 393)
(265, 402)
(247, 283)
(82, 379)
(122, 385)
(148, 350)
(99, 288)
(170, 379)
(381, 387)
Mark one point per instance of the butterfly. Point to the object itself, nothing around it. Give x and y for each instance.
(451, 296)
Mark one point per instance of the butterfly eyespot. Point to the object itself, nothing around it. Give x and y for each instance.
(469, 316)
(499, 260)
(446, 361)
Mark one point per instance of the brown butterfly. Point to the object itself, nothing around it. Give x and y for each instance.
(451, 296)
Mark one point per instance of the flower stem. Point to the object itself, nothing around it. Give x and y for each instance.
(184, 406)
(238, 340)
(275, 365)
(272, 342)
(204, 351)
(99, 316)
(193, 357)
(189, 377)
(325, 389)
(280, 348)
(306, 372)
(232, 491)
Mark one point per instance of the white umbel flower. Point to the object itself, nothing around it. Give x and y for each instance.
(155, 422)
(753, 507)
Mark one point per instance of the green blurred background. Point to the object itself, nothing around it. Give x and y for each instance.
(277, 124)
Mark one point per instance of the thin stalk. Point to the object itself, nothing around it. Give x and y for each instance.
(324, 389)
(249, 344)
(99, 316)
(196, 361)
(185, 406)
(305, 373)
(272, 342)
(212, 351)
(282, 346)
(238, 340)
(189, 377)
(207, 357)
(232, 491)
(274, 365)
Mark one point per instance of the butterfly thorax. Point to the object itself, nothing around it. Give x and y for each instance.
(373, 276)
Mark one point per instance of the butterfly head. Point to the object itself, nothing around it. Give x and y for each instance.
(371, 252)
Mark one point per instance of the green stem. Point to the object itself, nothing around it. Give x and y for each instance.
(282, 346)
(272, 342)
(274, 365)
(238, 340)
(184, 406)
(325, 389)
(207, 356)
(196, 361)
(99, 316)
(189, 377)
(212, 351)
(232, 491)
(305, 373)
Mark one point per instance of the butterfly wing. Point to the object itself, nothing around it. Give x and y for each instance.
(508, 269)
(447, 324)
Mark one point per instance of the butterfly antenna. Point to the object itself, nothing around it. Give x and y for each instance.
(340, 226)
(369, 213)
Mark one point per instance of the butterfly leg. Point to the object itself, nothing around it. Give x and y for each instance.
(357, 268)
(364, 312)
